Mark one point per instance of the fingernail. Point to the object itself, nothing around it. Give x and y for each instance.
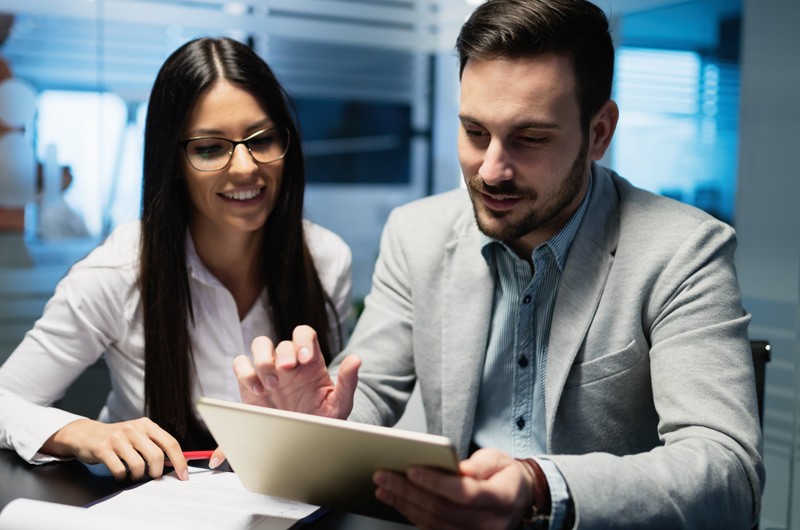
(185, 474)
(258, 389)
(304, 354)
(214, 462)
(271, 381)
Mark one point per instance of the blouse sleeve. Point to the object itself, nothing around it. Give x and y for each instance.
(78, 323)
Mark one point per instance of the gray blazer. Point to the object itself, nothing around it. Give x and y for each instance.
(650, 394)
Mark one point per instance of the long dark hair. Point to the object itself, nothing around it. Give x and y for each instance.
(522, 28)
(294, 289)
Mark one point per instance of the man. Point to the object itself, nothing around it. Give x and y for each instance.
(581, 341)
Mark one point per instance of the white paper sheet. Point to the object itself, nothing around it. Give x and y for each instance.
(29, 514)
(214, 500)
(208, 500)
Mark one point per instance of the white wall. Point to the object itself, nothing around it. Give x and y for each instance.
(767, 222)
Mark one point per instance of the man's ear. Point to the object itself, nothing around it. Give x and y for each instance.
(602, 128)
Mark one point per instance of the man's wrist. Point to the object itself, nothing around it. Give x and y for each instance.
(538, 513)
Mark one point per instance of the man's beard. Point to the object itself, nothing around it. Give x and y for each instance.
(539, 215)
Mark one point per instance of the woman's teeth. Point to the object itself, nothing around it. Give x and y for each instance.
(242, 195)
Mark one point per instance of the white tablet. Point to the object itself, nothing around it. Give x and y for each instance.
(321, 461)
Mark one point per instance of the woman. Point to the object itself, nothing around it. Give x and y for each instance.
(221, 255)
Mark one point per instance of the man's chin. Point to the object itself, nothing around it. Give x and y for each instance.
(496, 225)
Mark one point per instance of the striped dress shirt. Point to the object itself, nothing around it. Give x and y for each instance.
(510, 415)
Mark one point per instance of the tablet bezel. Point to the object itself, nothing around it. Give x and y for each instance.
(322, 461)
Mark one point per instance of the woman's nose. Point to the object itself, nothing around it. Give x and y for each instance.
(242, 161)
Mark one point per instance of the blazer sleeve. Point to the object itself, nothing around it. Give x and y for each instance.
(382, 337)
(707, 471)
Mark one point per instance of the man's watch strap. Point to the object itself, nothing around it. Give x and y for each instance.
(538, 514)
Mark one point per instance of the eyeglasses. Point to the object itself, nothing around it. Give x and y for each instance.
(210, 153)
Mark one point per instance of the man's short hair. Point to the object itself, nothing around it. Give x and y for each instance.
(512, 29)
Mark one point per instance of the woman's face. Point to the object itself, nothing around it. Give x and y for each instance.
(239, 197)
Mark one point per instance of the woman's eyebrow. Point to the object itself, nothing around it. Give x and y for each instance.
(260, 124)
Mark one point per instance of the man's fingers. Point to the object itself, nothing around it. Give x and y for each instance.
(246, 375)
(423, 509)
(346, 383)
(307, 344)
(285, 355)
(455, 488)
(484, 463)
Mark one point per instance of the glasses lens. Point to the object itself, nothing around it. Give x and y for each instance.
(208, 154)
(269, 145)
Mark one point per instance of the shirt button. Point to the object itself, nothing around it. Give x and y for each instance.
(527, 299)
(522, 361)
(520, 423)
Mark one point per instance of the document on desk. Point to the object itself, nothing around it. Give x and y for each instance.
(208, 500)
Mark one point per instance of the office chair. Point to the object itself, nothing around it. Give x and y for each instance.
(761, 356)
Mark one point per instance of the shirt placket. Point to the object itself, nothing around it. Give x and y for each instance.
(524, 373)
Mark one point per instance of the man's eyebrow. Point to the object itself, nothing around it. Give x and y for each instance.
(536, 125)
(516, 127)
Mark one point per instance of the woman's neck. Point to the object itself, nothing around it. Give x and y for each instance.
(233, 258)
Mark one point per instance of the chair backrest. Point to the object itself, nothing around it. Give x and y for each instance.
(761, 356)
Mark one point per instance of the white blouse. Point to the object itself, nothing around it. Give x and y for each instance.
(96, 310)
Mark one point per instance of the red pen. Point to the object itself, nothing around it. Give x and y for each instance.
(194, 455)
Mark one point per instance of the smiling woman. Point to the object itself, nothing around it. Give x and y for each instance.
(233, 184)
(221, 255)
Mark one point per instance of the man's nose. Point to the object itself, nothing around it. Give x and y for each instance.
(496, 166)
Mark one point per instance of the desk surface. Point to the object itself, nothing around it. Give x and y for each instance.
(71, 483)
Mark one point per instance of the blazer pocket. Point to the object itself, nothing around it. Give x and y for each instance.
(605, 366)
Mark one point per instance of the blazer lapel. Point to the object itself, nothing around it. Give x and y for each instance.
(467, 292)
(588, 264)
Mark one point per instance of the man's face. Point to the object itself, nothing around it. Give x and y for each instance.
(523, 153)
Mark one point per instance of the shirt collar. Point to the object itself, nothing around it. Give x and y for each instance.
(559, 244)
(195, 266)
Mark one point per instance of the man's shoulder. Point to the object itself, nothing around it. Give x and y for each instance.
(449, 210)
(642, 210)
(652, 229)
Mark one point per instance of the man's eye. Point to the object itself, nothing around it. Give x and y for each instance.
(475, 133)
(532, 140)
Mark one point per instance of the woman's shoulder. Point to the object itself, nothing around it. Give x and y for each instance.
(104, 284)
(328, 249)
(120, 250)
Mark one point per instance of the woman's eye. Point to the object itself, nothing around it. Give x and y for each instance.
(208, 149)
(263, 141)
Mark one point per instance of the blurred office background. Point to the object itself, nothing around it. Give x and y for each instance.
(707, 88)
